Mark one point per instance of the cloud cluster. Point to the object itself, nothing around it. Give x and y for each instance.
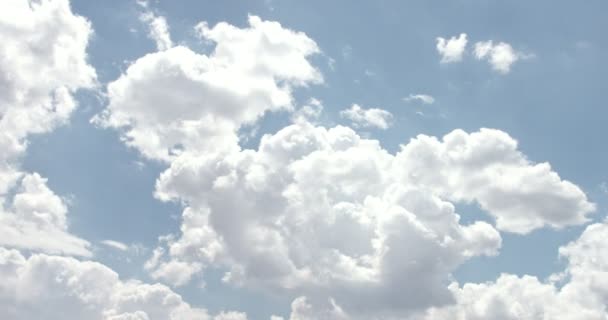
(583, 296)
(317, 212)
(500, 56)
(52, 287)
(43, 62)
(347, 228)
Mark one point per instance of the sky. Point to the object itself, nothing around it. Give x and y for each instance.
(303, 160)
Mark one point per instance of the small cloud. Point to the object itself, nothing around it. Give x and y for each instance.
(501, 56)
(453, 49)
(115, 245)
(158, 29)
(368, 118)
(309, 113)
(423, 98)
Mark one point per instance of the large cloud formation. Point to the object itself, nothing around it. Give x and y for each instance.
(332, 219)
(43, 61)
(52, 287)
(316, 211)
(178, 99)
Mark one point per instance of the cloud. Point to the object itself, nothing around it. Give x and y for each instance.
(244, 77)
(115, 245)
(368, 118)
(158, 29)
(301, 309)
(501, 56)
(582, 297)
(43, 63)
(453, 49)
(66, 288)
(423, 98)
(36, 220)
(318, 212)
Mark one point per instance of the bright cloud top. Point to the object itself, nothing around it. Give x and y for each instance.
(244, 77)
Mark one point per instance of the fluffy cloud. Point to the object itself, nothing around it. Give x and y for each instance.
(51, 287)
(36, 220)
(367, 118)
(582, 297)
(501, 56)
(177, 99)
(279, 216)
(452, 50)
(424, 98)
(487, 168)
(43, 62)
(318, 212)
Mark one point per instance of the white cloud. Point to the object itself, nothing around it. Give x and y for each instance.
(452, 50)
(486, 167)
(277, 217)
(43, 63)
(301, 309)
(501, 56)
(318, 212)
(65, 288)
(115, 245)
(178, 99)
(368, 118)
(158, 29)
(582, 297)
(36, 220)
(310, 112)
(423, 98)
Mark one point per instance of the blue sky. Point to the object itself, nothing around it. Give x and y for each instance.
(549, 98)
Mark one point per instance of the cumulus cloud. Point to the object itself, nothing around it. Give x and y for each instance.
(178, 99)
(501, 56)
(66, 288)
(368, 118)
(43, 63)
(582, 297)
(423, 98)
(451, 50)
(279, 216)
(315, 212)
(35, 219)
